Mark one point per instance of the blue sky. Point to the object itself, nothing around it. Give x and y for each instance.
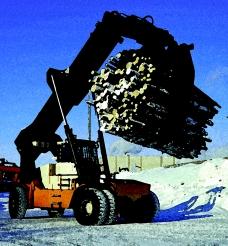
(36, 35)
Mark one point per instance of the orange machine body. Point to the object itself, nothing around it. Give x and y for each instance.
(64, 198)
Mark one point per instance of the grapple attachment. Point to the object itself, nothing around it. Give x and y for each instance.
(148, 97)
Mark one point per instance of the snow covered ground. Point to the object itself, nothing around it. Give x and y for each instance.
(194, 211)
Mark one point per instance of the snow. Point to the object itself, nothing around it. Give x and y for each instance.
(194, 211)
(206, 181)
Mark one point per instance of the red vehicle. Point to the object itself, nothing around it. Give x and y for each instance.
(9, 173)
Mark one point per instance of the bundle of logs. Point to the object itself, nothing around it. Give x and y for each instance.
(138, 100)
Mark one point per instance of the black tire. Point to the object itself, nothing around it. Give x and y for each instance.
(126, 209)
(111, 214)
(146, 208)
(56, 213)
(17, 203)
(90, 207)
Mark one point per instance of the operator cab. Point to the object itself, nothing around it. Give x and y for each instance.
(86, 155)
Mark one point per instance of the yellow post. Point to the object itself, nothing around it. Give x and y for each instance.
(128, 162)
(141, 163)
(161, 160)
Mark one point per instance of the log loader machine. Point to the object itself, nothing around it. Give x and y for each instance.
(94, 194)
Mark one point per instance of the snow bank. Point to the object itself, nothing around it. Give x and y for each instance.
(202, 186)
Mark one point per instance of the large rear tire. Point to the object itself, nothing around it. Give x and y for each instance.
(146, 208)
(90, 207)
(17, 203)
(126, 210)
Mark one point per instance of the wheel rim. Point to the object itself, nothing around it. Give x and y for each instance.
(87, 208)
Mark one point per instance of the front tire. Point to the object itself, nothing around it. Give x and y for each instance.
(17, 203)
(90, 207)
(111, 202)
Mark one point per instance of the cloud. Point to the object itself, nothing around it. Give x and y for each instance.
(218, 74)
(216, 85)
(216, 152)
(122, 147)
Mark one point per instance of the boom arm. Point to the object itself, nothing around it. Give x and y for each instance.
(72, 83)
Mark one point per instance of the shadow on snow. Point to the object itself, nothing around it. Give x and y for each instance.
(185, 210)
